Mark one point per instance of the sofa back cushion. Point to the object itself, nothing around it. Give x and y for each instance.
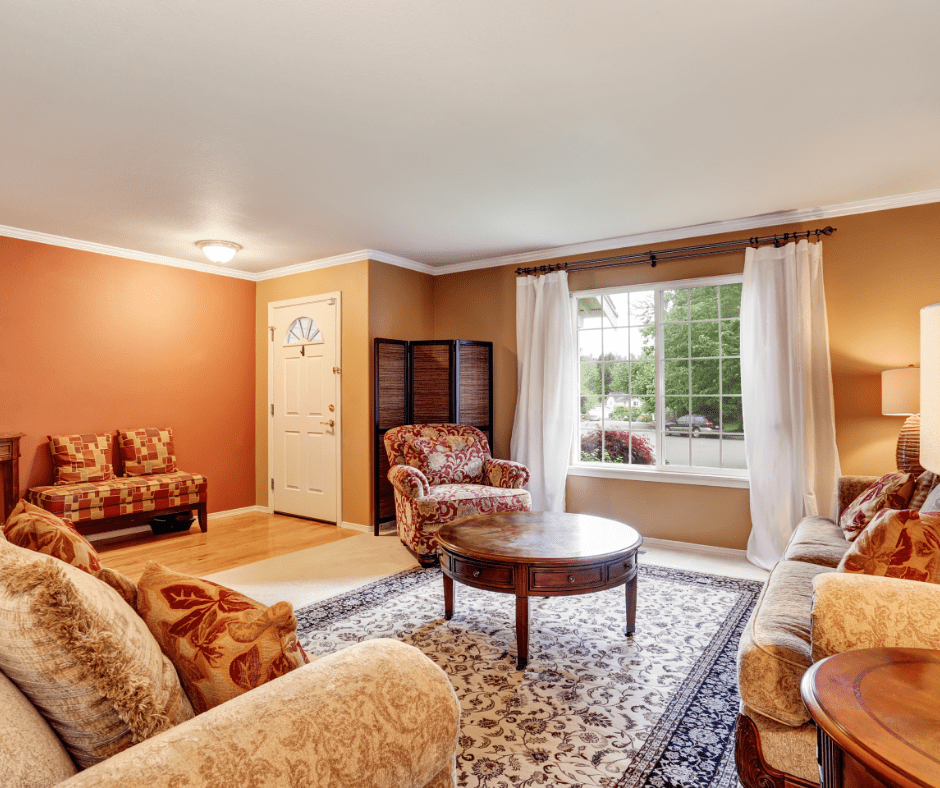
(31, 755)
(222, 643)
(83, 657)
(903, 544)
(147, 451)
(81, 458)
(891, 491)
(447, 459)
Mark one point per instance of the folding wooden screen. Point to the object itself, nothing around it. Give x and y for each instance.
(427, 382)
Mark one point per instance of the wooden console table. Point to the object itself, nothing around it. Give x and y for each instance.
(878, 717)
(10, 470)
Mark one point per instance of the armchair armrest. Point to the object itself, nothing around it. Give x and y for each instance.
(378, 714)
(409, 481)
(853, 611)
(503, 473)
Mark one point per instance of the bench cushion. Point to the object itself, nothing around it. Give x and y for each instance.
(82, 458)
(127, 495)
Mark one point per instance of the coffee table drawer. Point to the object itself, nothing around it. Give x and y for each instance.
(566, 578)
(482, 573)
(621, 568)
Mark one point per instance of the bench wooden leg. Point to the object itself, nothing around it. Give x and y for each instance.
(203, 517)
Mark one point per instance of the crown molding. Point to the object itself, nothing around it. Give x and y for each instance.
(696, 230)
(117, 251)
(520, 259)
(342, 259)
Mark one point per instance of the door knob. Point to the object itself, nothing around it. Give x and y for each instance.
(330, 422)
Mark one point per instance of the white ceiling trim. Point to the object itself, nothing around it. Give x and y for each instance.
(696, 230)
(117, 251)
(342, 259)
(521, 259)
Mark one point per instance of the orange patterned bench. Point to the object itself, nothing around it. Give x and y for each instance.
(88, 493)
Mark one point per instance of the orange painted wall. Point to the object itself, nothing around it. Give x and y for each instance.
(93, 343)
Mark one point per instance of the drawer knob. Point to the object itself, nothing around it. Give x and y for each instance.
(476, 572)
(570, 578)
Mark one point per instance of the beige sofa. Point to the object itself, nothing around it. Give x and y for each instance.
(806, 612)
(378, 713)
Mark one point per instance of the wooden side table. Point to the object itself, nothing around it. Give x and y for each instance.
(878, 715)
(10, 470)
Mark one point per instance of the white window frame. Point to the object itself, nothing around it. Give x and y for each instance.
(715, 477)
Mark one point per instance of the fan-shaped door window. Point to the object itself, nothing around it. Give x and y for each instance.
(303, 331)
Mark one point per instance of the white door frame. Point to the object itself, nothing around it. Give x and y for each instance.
(337, 380)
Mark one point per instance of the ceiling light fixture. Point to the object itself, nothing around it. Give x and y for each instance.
(218, 251)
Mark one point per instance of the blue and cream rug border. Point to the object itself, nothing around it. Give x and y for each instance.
(689, 741)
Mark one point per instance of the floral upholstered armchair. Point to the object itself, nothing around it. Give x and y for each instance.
(442, 472)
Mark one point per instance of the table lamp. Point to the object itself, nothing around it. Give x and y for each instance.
(930, 387)
(900, 396)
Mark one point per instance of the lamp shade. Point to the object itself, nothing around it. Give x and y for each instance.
(930, 387)
(900, 391)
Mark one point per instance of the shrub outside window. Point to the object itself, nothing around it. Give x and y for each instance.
(659, 371)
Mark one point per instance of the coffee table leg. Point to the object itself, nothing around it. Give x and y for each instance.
(448, 597)
(522, 632)
(631, 604)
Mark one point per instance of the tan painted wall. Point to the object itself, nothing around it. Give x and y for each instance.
(401, 306)
(352, 280)
(94, 343)
(880, 269)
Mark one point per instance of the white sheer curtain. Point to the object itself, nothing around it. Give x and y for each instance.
(789, 424)
(545, 416)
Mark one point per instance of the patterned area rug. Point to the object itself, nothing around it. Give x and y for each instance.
(594, 708)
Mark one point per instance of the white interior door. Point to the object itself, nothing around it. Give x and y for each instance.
(305, 407)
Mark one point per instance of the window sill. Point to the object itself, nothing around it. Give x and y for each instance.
(667, 477)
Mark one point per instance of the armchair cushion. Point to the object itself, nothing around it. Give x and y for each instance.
(863, 611)
(447, 502)
(378, 713)
(448, 459)
(503, 473)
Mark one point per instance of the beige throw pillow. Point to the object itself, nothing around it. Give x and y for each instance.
(85, 660)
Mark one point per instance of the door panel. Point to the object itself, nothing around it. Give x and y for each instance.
(305, 349)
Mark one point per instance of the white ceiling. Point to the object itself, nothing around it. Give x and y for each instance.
(446, 132)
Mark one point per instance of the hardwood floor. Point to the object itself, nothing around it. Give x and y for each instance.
(230, 541)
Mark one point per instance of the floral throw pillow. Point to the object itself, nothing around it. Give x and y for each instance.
(82, 458)
(447, 459)
(221, 642)
(903, 544)
(925, 484)
(891, 491)
(42, 532)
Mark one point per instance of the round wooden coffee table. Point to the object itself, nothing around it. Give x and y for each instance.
(539, 554)
(877, 711)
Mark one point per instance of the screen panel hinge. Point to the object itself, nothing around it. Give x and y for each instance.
(272, 484)
(272, 408)
(271, 329)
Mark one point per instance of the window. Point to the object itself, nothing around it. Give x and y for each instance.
(660, 377)
(303, 330)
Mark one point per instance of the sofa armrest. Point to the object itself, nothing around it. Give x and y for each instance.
(409, 481)
(503, 473)
(853, 611)
(378, 714)
(850, 487)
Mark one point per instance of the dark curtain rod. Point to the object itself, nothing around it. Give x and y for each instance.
(679, 253)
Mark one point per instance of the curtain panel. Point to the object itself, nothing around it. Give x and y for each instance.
(789, 421)
(544, 422)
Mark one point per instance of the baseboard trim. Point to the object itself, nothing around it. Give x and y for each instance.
(232, 512)
(107, 536)
(366, 529)
(691, 547)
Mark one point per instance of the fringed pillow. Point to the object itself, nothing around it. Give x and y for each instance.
(85, 660)
(891, 491)
(222, 643)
